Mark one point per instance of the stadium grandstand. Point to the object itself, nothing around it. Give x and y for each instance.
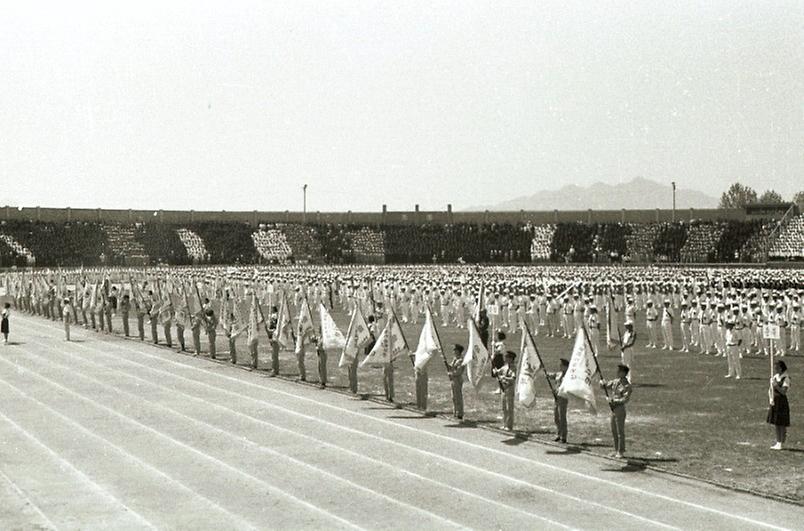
(70, 237)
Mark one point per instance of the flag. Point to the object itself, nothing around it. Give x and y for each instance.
(529, 366)
(284, 328)
(331, 336)
(356, 337)
(390, 345)
(305, 329)
(476, 359)
(254, 320)
(428, 342)
(481, 303)
(578, 382)
(93, 297)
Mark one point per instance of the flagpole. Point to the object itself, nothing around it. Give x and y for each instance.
(597, 365)
(438, 338)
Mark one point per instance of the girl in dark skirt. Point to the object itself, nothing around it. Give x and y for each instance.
(4, 322)
(779, 411)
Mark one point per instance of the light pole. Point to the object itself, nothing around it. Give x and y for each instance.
(674, 201)
(304, 204)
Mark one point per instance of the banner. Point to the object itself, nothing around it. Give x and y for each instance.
(476, 359)
(580, 378)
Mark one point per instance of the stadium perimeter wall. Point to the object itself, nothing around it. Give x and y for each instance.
(385, 217)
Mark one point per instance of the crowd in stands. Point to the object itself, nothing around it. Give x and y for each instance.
(302, 240)
(639, 242)
(272, 245)
(193, 245)
(789, 244)
(732, 243)
(226, 243)
(753, 250)
(540, 242)
(122, 245)
(66, 244)
(162, 244)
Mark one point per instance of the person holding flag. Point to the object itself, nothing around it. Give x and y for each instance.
(619, 397)
(428, 345)
(506, 377)
(389, 346)
(455, 372)
(306, 333)
(561, 403)
(125, 308)
(357, 336)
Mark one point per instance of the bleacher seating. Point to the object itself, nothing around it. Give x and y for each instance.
(303, 243)
(227, 243)
(702, 241)
(14, 253)
(753, 250)
(193, 244)
(669, 242)
(161, 243)
(219, 242)
(789, 244)
(368, 245)
(123, 246)
(272, 245)
(639, 242)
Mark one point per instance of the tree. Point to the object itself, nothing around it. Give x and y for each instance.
(799, 197)
(771, 196)
(738, 196)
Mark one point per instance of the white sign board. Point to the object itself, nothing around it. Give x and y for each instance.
(770, 331)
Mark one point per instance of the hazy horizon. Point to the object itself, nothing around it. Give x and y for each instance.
(234, 106)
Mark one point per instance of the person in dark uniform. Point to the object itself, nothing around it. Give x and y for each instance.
(273, 321)
(620, 394)
(560, 408)
(322, 362)
(483, 327)
(779, 411)
(211, 325)
(125, 308)
(506, 376)
(455, 373)
(4, 322)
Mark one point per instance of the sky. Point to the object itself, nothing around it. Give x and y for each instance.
(235, 105)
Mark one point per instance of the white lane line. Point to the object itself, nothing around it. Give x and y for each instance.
(246, 440)
(433, 455)
(127, 455)
(257, 420)
(610, 483)
(27, 499)
(94, 486)
(204, 455)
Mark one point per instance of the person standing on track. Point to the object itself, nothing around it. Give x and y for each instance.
(4, 322)
(620, 390)
(455, 372)
(322, 362)
(125, 307)
(561, 402)
(67, 313)
(211, 325)
(779, 411)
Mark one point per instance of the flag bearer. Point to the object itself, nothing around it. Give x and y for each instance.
(620, 390)
(506, 376)
(561, 402)
(455, 373)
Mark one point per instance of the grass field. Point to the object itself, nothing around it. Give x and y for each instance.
(684, 416)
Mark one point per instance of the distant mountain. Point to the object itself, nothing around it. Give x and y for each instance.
(638, 194)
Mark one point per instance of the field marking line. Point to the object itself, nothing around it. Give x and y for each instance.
(241, 439)
(27, 499)
(299, 434)
(94, 486)
(419, 450)
(185, 446)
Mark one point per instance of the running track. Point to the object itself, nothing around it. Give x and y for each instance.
(109, 433)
